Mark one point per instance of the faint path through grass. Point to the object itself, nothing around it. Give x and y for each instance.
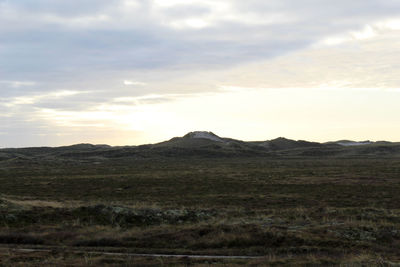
(93, 252)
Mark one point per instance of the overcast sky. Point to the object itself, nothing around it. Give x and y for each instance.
(134, 71)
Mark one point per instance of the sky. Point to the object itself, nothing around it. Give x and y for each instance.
(130, 72)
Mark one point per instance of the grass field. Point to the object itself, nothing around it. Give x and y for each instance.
(303, 211)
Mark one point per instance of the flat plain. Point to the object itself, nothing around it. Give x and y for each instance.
(299, 210)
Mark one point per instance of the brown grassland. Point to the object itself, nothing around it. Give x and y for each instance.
(332, 211)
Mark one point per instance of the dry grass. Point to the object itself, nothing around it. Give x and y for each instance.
(320, 212)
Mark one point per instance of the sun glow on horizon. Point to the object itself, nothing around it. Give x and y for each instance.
(336, 113)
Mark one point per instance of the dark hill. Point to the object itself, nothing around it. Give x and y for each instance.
(207, 144)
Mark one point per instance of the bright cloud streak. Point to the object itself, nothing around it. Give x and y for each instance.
(369, 31)
(393, 24)
(17, 84)
(128, 82)
(25, 100)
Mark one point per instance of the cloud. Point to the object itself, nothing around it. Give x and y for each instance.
(35, 99)
(129, 82)
(121, 35)
(118, 54)
(17, 84)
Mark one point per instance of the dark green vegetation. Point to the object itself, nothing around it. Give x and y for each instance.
(292, 204)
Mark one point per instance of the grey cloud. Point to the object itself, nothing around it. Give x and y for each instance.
(186, 10)
(124, 43)
(64, 8)
(322, 8)
(79, 102)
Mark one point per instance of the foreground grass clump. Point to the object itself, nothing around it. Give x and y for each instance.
(303, 211)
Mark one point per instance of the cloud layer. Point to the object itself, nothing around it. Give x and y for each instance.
(62, 56)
